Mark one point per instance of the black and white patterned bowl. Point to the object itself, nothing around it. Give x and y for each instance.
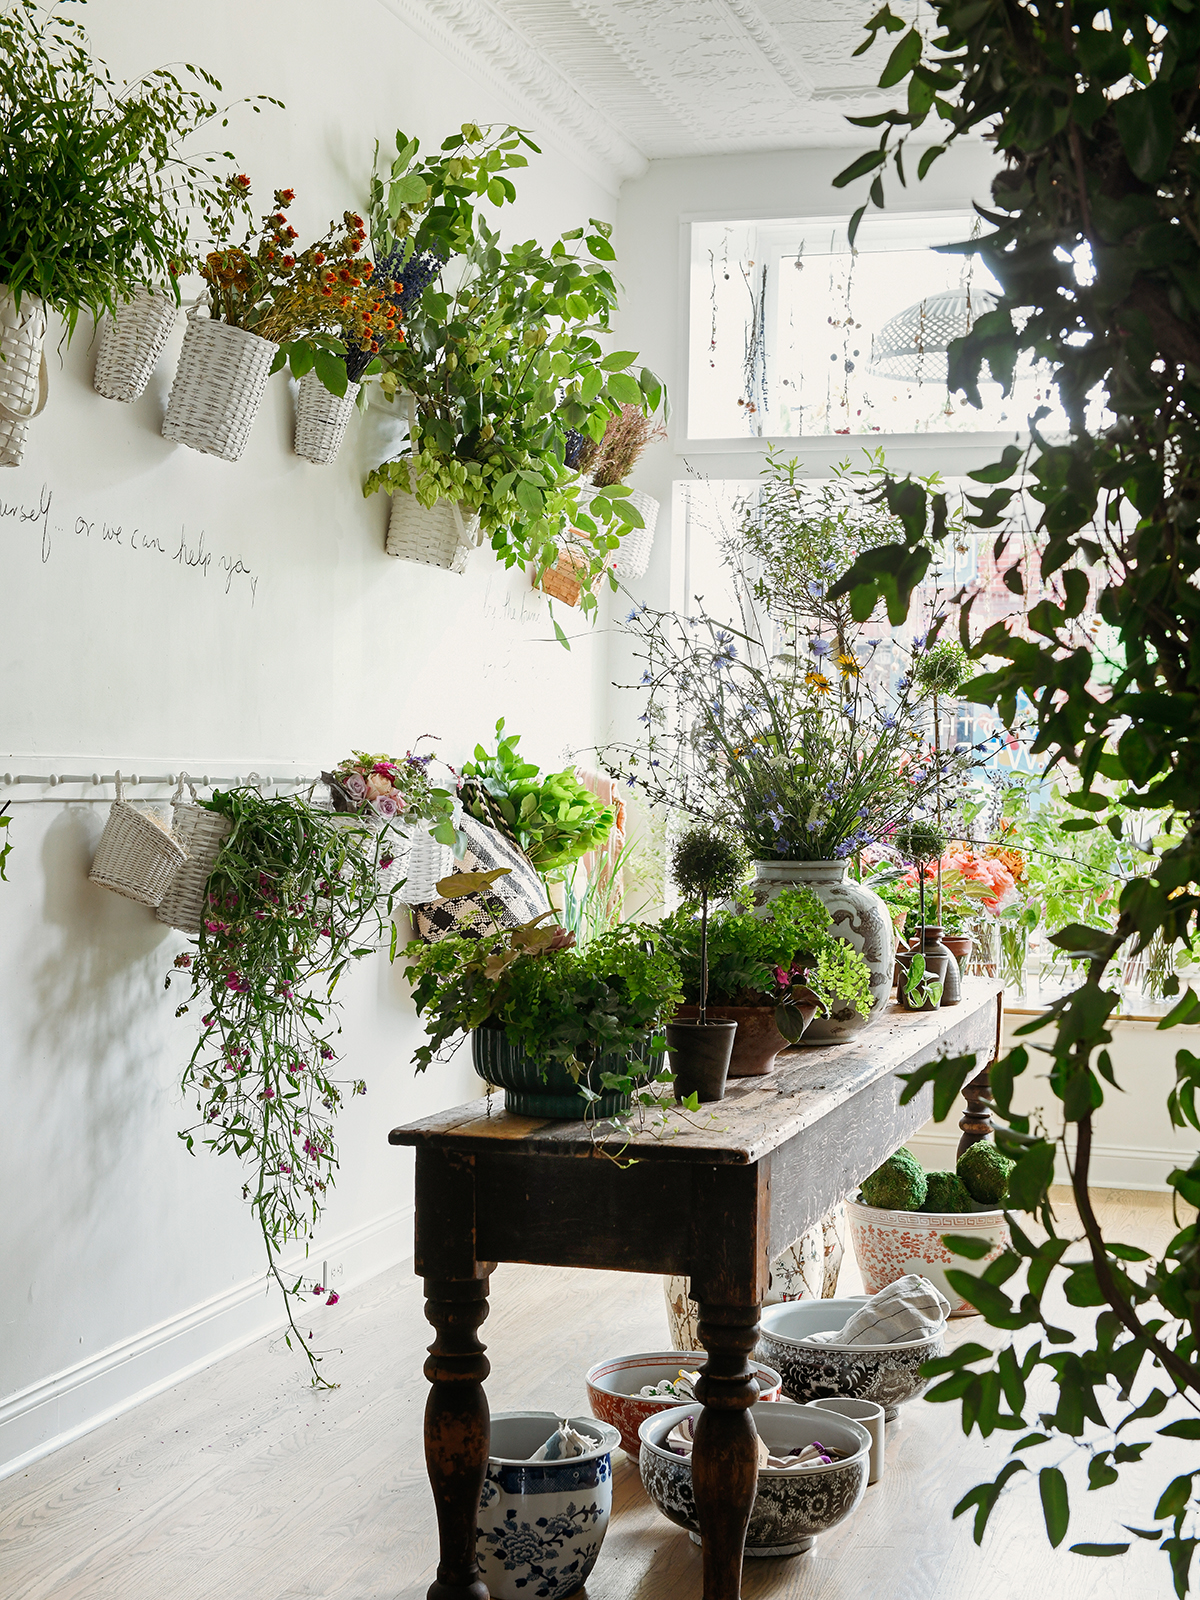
(790, 1508)
(889, 1374)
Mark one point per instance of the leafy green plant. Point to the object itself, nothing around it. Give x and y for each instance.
(594, 894)
(553, 1001)
(918, 985)
(95, 186)
(553, 817)
(291, 901)
(1092, 109)
(759, 960)
(707, 867)
(503, 360)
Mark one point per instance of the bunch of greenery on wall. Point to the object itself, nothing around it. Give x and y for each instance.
(95, 183)
(1092, 109)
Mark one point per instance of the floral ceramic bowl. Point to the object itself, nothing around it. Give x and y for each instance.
(790, 1508)
(889, 1374)
(613, 1386)
(541, 1523)
(891, 1244)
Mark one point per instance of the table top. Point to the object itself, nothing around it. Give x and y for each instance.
(757, 1115)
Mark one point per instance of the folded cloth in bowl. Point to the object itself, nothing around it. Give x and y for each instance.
(911, 1308)
(562, 1444)
(682, 1437)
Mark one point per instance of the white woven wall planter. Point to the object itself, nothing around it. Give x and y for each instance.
(137, 855)
(202, 833)
(436, 536)
(24, 380)
(131, 343)
(321, 419)
(633, 553)
(428, 861)
(218, 387)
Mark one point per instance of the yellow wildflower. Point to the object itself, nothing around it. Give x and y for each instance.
(818, 681)
(849, 665)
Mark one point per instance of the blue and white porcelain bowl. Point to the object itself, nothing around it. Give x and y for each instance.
(889, 1374)
(541, 1523)
(790, 1508)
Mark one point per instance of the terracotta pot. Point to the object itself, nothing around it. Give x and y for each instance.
(859, 917)
(700, 1057)
(960, 946)
(757, 1041)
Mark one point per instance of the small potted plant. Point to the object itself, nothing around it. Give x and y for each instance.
(705, 866)
(564, 1032)
(923, 968)
(769, 974)
(607, 464)
(269, 305)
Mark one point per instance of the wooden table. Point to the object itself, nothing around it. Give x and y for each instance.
(717, 1202)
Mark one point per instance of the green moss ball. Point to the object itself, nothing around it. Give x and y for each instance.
(985, 1170)
(898, 1185)
(946, 1192)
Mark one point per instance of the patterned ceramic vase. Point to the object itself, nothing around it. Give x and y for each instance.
(541, 1523)
(859, 916)
(889, 1374)
(891, 1244)
(806, 1270)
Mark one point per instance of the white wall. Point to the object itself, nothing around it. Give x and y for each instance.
(126, 1260)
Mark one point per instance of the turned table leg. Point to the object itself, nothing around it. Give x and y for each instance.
(725, 1454)
(457, 1430)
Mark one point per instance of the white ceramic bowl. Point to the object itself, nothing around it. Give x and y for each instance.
(541, 1523)
(889, 1374)
(790, 1508)
(613, 1388)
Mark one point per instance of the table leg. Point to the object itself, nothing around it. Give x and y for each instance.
(457, 1430)
(976, 1122)
(725, 1454)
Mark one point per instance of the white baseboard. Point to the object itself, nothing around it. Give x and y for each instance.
(1113, 1166)
(67, 1405)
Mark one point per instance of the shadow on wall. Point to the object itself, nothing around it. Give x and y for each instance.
(94, 992)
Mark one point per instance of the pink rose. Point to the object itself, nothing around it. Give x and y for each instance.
(356, 786)
(385, 805)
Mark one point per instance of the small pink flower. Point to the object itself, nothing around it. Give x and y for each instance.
(326, 1052)
(385, 805)
(184, 960)
(318, 1288)
(388, 768)
(356, 786)
(384, 862)
(237, 983)
(268, 1094)
(333, 1299)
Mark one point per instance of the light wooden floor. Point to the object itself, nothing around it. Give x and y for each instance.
(242, 1484)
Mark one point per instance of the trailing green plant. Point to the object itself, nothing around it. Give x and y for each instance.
(552, 816)
(1093, 111)
(95, 184)
(290, 903)
(553, 1001)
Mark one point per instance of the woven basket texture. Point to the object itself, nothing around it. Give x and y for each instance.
(633, 553)
(560, 581)
(436, 536)
(131, 343)
(395, 845)
(23, 376)
(218, 387)
(202, 833)
(136, 857)
(428, 861)
(321, 419)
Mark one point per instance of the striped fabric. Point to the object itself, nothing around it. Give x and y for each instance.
(911, 1308)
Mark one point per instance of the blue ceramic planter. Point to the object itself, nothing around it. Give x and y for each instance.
(536, 1089)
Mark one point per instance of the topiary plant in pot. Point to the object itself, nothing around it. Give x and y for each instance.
(705, 866)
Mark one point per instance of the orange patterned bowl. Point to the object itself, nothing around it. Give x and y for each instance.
(890, 1244)
(613, 1386)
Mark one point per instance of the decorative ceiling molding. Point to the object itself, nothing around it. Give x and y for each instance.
(476, 35)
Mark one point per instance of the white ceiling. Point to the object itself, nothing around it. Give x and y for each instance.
(638, 80)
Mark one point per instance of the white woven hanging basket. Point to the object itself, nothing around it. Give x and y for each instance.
(24, 378)
(202, 833)
(392, 847)
(435, 536)
(321, 419)
(633, 553)
(218, 388)
(137, 855)
(428, 861)
(131, 343)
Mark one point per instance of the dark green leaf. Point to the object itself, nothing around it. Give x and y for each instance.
(1052, 1487)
